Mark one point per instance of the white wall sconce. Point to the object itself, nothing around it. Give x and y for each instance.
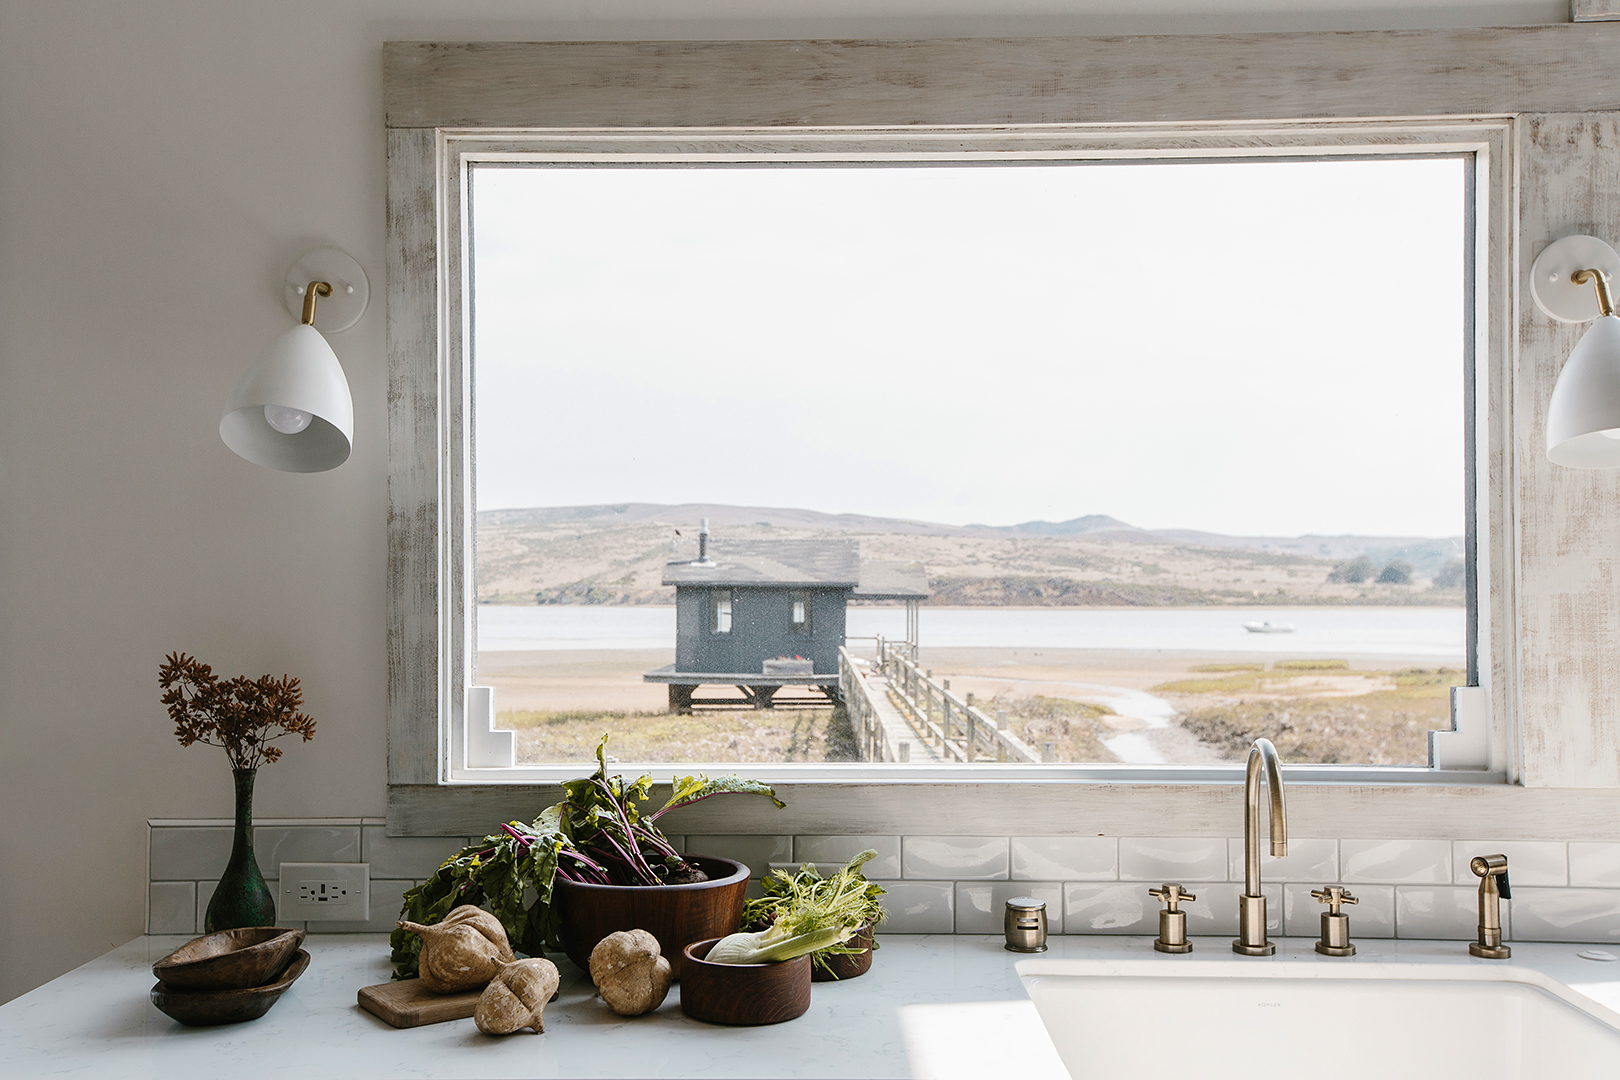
(1571, 281)
(291, 409)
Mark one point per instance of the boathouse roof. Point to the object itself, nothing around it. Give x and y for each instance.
(801, 564)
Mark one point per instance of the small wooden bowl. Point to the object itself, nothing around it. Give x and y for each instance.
(205, 1008)
(846, 966)
(230, 959)
(742, 994)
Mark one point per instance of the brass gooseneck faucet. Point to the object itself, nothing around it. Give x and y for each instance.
(1251, 939)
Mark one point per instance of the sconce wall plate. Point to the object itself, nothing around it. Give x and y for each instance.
(350, 290)
(1551, 285)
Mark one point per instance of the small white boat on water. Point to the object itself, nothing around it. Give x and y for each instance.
(1269, 627)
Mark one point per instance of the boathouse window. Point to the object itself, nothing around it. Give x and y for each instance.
(720, 606)
(799, 615)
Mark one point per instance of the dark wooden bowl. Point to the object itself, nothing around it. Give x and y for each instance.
(847, 965)
(230, 960)
(205, 1008)
(743, 994)
(676, 915)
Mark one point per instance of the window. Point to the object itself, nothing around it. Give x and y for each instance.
(1322, 606)
(438, 138)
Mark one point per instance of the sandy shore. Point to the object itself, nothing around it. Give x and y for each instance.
(568, 679)
(611, 678)
(1145, 727)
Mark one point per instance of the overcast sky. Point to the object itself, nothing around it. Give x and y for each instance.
(1254, 348)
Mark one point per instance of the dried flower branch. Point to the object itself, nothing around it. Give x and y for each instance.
(238, 714)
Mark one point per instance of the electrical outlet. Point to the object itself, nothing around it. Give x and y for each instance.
(325, 892)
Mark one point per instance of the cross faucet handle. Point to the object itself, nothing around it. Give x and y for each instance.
(1172, 894)
(1333, 896)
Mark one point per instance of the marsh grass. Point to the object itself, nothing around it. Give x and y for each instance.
(1250, 677)
(772, 735)
(1387, 726)
(1074, 728)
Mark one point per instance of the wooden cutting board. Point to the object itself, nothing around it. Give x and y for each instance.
(408, 1003)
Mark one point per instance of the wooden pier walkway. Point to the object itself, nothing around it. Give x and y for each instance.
(898, 735)
(900, 713)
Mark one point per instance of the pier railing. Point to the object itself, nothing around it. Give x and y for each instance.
(875, 741)
(956, 728)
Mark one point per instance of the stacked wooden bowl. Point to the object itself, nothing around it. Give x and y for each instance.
(229, 976)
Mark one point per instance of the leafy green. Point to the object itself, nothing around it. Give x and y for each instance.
(596, 834)
(691, 789)
(806, 903)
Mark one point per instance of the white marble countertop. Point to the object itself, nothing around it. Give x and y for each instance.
(904, 1018)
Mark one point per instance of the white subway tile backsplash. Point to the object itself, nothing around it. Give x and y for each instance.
(1307, 860)
(919, 907)
(1216, 909)
(1371, 916)
(188, 852)
(1170, 858)
(276, 844)
(1445, 912)
(1593, 864)
(1530, 862)
(400, 857)
(172, 907)
(1065, 858)
(841, 849)
(981, 906)
(755, 852)
(1108, 909)
(1395, 862)
(940, 884)
(1564, 914)
(955, 858)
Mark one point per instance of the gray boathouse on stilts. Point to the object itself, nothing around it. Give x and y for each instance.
(761, 615)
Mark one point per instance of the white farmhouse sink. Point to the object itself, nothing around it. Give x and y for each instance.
(1372, 1021)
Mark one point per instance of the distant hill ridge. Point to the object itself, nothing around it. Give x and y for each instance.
(1425, 553)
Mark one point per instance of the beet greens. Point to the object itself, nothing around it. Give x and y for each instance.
(596, 835)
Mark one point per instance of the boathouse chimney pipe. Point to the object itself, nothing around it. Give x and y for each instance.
(703, 541)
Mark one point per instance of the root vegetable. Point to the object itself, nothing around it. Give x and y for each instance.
(628, 972)
(463, 952)
(516, 997)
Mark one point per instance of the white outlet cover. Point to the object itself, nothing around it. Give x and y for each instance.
(325, 892)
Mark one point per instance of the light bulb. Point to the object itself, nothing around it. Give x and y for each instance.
(285, 420)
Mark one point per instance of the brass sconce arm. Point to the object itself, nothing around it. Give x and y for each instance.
(321, 288)
(1601, 280)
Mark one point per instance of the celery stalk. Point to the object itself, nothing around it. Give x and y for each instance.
(769, 946)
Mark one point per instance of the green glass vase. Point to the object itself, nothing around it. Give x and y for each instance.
(241, 898)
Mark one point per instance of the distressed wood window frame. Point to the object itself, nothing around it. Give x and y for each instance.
(1293, 95)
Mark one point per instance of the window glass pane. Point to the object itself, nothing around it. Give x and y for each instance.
(1171, 456)
(722, 613)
